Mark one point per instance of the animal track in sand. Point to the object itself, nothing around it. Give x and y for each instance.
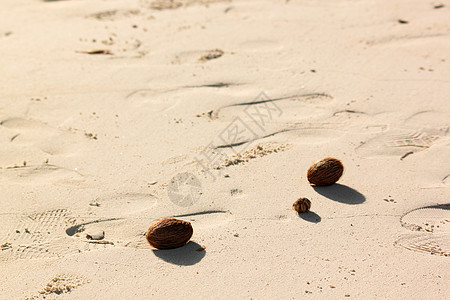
(434, 224)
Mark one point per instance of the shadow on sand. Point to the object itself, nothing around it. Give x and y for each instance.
(310, 216)
(187, 255)
(341, 193)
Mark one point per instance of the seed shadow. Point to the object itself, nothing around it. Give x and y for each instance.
(310, 216)
(187, 255)
(341, 193)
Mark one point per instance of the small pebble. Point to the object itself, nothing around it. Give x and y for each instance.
(95, 234)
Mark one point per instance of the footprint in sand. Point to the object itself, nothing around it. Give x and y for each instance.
(35, 140)
(135, 232)
(428, 119)
(355, 120)
(123, 217)
(39, 235)
(153, 100)
(267, 117)
(307, 136)
(36, 134)
(59, 233)
(405, 40)
(420, 132)
(124, 204)
(167, 99)
(426, 243)
(41, 174)
(434, 219)
(433, 226)
(397, 142)
(255, 45)
(264, 109)
(130, 232)
(122, 223)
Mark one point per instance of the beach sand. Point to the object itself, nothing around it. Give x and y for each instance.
(117, 113)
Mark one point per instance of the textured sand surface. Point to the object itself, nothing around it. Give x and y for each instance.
(116, 113)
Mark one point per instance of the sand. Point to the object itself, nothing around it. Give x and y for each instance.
(117, 113)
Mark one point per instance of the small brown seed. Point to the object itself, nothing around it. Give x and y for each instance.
(302, 205)
(169, 233)
(325, 171)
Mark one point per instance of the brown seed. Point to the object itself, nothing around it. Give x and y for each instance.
(301, 205)
(169, 233)
(325, 171)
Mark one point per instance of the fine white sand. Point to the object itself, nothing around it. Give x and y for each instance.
(101, 142)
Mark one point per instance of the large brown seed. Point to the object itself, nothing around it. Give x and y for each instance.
(169, 233)
(325, 171)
